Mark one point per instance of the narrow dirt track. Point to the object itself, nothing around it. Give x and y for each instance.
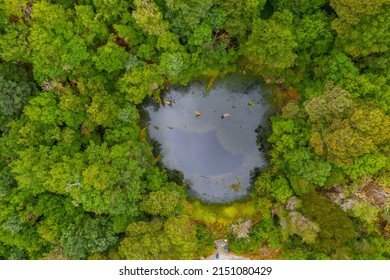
(223, 254)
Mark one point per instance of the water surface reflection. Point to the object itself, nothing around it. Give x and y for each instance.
(214, 153)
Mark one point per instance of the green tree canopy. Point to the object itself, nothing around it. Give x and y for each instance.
(271, 44)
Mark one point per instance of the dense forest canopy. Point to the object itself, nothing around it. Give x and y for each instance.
(80, 179)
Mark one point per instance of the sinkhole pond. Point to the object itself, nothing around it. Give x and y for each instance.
(210, 136)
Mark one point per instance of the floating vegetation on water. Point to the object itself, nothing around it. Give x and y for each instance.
(168, 102)
(237, 186)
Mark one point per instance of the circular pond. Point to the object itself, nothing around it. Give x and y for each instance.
(211, 137)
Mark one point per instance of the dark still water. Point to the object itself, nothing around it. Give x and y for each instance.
(215, 154)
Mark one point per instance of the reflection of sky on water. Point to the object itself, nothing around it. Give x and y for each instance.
(212, 152)
(200, 153)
